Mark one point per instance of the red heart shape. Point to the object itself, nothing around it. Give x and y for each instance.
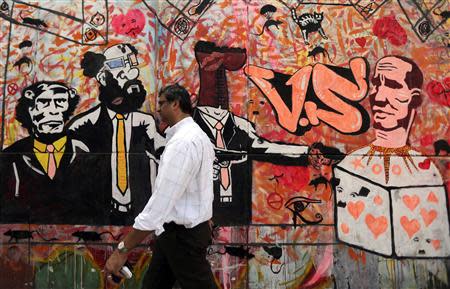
(355, 208)
(361, 41)
(428, 216)
(411, 202)
(377, 225)
(411, 227)
(425, 165)
(130, 24)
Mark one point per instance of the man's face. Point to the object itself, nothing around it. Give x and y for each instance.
(390, 96)
(122, 63)
(165, 109)
(120, 89)
(48, 110)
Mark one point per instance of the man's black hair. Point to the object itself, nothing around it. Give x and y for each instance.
(24, 103)
(177, 92)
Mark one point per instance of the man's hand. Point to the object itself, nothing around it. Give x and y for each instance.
(113, 266)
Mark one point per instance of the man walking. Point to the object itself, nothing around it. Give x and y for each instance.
(181, 204)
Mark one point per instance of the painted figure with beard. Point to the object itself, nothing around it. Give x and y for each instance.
(391, 199)
(42, 176)
(126, 141)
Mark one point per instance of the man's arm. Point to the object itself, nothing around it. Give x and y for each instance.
(118, 259)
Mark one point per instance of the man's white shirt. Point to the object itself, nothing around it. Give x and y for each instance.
(184, 185)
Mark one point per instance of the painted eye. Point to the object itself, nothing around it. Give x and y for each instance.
(416, 239)
(299, 204)
(428, 241)
(44, 102)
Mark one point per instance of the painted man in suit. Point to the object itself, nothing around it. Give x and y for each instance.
(235, 138)
(42, 178)
(125, 140)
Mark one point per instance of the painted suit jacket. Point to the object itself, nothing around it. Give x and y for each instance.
(97, 133)
(28, 195)
(251, 147)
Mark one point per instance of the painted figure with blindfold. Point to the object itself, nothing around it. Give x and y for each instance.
(125, 140)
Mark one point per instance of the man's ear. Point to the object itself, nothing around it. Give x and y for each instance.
(29, 94)
(101, 77)
(175, 103)
(72, 92)
(416, 92)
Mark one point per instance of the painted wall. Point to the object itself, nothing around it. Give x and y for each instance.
(332, 165)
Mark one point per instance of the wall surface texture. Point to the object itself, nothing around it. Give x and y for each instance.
(330, 120)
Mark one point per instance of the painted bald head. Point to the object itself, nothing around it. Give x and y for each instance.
(397, 83)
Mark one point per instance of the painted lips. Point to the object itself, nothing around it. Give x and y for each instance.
(117, 100)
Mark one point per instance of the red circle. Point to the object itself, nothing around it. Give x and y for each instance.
(12, 88)
(275, 201)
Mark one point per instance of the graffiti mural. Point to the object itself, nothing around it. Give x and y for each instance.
(330, 122)
(393, 195)
(116, 126)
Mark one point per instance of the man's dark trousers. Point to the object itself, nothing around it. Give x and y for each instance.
(180, 254)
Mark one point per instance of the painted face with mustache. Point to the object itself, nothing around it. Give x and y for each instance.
(124, 99)
(120, 88)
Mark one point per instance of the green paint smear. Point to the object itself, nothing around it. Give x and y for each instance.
(70, 270)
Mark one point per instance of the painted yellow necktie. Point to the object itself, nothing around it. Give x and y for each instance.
(122, 179)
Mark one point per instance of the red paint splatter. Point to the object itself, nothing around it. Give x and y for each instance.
(426, 140)
(293, 177)
(447, 82)
(130, 24)
(438, 92)
(388, 28)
